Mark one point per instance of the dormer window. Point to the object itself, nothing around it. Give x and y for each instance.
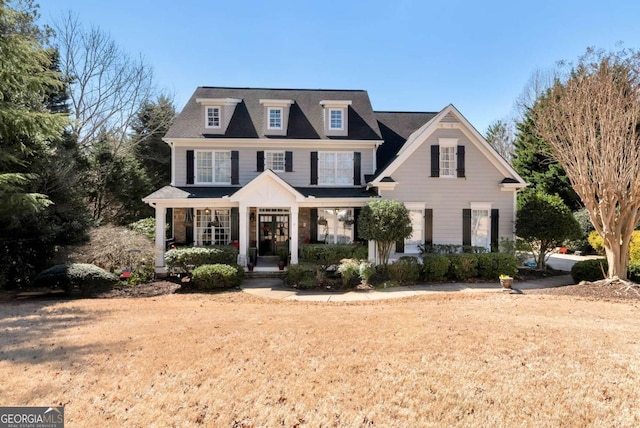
(336, 117)
(275, 117)
(213, 117)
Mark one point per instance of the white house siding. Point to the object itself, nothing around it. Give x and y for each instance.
(449, 196)
(300, 177)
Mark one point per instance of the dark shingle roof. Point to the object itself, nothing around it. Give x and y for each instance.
(336, 192)
(396, 127)
(183, 192)
(305, 116)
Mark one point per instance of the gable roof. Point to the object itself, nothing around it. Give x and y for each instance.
(305, 115)
(396, 127)
(418, 137)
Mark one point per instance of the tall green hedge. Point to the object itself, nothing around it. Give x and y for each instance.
(331, 254)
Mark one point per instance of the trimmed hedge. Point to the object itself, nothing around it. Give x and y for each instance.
(463, 266)
(435, 267)
(188, 258)
(206, 277)
(82, 276)
(331, 254)
(407, 270)
(589, 270)
(492, 265)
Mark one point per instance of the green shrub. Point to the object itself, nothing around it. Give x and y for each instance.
(405, 271)
(349, 269)
(301, 273)
(366, 270)
(81, 276)
(145, 226)
(218, 275)
(589, 270)
(450, 249)
(331, 254)
(435, 267)
(463, 266)
(634, 271)
(188, 258)
(492, 265)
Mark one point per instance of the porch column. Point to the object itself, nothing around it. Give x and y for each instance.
(293, 241)
(373, 253)
(244, 231)
(161, 215)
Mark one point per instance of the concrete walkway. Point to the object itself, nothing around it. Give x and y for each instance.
(273, 288)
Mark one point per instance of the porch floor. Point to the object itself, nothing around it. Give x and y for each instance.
(267, 264)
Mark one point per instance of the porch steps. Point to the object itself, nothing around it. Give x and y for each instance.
(266, 274)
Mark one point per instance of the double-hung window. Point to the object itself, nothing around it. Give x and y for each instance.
(447, 160)
(275, 118)
(213, 167)
(480, 225)
(336, 119)
(335, 168)
(275, 161)
(213, 117)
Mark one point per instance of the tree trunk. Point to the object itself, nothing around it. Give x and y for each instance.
(618, 259)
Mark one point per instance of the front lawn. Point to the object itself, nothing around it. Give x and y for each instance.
(231, 359)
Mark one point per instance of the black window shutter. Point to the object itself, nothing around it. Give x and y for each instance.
(190, 165)
(400, 246)
(356, 215)
(357, 156)
(435, 160)
(314, 167)
(460, 161)
(189, 226)
(260, 161)
(235, 224)
(288, 161)
(235, 167)
(495, 230)
(466, 227)
(313, 225)
(428, 226)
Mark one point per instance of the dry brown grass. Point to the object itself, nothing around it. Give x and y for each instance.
(236, 360)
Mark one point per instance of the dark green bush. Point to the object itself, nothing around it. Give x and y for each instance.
(331, 254)
(435, 267)
(407, 270)
(589, 270)
(301, 273)
(463, 266)
(218, 275)
(451, 249)
(634, 271)
(188, 258)
(492, 265)
(81, 276)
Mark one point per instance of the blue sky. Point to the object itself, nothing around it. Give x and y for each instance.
(410, 55)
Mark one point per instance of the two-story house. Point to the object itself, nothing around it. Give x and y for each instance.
(273, 168)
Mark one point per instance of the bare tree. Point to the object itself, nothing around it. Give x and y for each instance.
(591, 120)
(107, 87)
(538, 84)
(501, 137)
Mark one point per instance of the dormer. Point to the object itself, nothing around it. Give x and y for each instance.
(336, 117)
(217, 113)
(276, 116)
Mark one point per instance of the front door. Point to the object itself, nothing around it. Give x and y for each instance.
(274, 234)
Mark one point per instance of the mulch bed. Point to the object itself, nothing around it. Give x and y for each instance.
(600, 290)
(151, 289)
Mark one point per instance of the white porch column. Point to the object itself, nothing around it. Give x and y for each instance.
(161, 215)
(244, 231)
(373, 252)
(293, 229)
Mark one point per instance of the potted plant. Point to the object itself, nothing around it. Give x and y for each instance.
(250, 267)
(506, 281)
(348, 221)
(322, 221)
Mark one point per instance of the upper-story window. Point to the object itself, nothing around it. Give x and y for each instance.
(335, 167)
(213, 117)
(213, 167)
(447, 161)
(275, 161)
(336, 118)
(275, 118)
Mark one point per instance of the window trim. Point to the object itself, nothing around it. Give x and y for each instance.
(272, 152)
(206, 117)
(482, 206)
(335, 168)
(269, 110)
(196, 154)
